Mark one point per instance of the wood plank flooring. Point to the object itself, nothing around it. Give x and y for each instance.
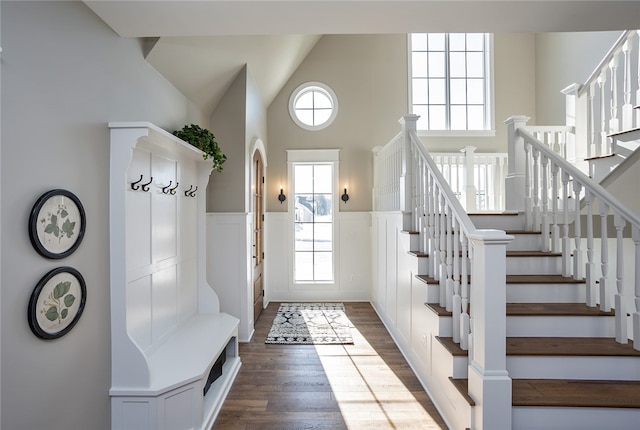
(367, 385)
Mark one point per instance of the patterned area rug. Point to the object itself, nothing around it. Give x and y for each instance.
(310, 324)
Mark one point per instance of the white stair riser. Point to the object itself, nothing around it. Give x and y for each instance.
(442, 324)
(534, 265)
(572, 367)
(500, 222)
(525, 242)
(422, 265)
(560, 326)
(546, 293)
(555, 418)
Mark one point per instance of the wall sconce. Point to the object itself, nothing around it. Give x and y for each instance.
(345, 196)
(281, 196)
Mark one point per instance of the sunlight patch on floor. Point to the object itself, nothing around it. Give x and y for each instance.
(368, 390)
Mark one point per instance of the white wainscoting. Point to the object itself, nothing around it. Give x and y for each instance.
(353, 261)
(229, 266)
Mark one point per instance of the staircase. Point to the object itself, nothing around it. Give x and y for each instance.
(567, 371)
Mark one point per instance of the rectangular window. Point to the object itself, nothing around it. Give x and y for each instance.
(313, 191)
(450, 82)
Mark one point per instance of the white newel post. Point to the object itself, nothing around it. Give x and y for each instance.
(409, 123)
(515, 180)
(577, 117)
(489, 381)
(469, 178)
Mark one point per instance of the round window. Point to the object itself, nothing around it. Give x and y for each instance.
(313, 106)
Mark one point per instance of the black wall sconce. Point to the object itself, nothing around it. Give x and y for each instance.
(345, 196)
(281, 196)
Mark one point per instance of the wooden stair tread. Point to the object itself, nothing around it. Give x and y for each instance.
(521, 279)
(598, 157)
(554, 309)
(542, 279)
(569, 393)
(533, 254)
(489, 213)
(462, 385)
(622, 132)
(418, 254)
(427, 279)
(538, 309)
(555, 346)
(409, 232)
(522, 232)
(576, 393)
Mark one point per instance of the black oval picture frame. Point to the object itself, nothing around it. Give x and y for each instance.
(57, 302)
(57, 224)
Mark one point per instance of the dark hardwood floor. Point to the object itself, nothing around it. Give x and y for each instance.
(367, 385)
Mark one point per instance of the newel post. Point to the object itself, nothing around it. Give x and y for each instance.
(515, 181)
(489, 381)
(469, 178)
(576, 116)
(409, 123)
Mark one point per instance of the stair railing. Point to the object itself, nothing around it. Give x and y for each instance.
(567, 196)
(603, 105)
(387, 167)
(477, 179)
(454, 245)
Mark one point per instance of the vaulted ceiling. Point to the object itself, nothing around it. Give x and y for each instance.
(201, 45)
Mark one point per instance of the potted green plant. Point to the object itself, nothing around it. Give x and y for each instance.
(205, 141)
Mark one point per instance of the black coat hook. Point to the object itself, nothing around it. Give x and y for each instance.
(193, 193)
(172, 191)
(166, 190)
(187, 192)
(134, 185)
(145, 187)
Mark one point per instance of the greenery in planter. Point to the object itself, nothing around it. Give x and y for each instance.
(205, 141)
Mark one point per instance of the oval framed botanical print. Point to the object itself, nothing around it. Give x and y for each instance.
(57, 224)
(56, 303)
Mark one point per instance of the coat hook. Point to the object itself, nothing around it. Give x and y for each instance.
(134, 185)
(165, 190)
(193, 193)
(172, 191)
(186, 193)
(145, 187)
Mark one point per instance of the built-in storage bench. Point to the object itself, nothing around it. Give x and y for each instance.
(174, 354)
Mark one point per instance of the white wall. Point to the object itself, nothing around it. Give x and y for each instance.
(563, 59)
(65, 74)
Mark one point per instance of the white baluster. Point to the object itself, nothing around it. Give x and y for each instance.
(590, 268)
(577, 252)
(593, 149)
(436, 222)
(565, 227)
(605, 289)
(432, 228)
(621, 308)
(456, 301)
(627, 108)
(528, 216)
(555, 229)
(465, 325)
(635, 235)
(442, 272)
(638, 85)
(449, 256)
(544, 221)
(603, 116)
(536, 189)
(614, 123)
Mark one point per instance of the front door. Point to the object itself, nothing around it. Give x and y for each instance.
(258, 236)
